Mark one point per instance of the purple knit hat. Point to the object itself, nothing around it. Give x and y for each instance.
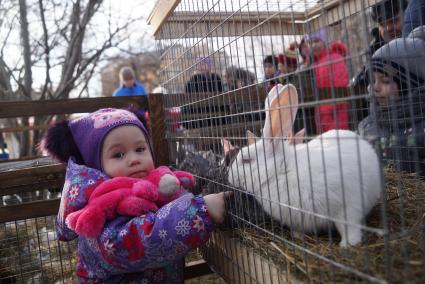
(321, 34)
(90, 130)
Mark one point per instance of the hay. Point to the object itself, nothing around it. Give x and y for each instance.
(399, 256)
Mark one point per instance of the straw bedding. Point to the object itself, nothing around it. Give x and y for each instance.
(398, 256)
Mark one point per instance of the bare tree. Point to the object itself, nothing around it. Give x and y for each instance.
(58, 37)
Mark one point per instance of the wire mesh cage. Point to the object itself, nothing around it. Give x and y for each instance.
(31, 253)
(328, 184)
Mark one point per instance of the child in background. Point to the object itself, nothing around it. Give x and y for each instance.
(304, 50)
(145, 249)
(288, 61)
(270, 72)
(396, 124)
(330, 71)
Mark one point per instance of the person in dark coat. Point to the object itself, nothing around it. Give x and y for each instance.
(204, 81)
(271, 72)
(388, 15)
(396, 124)
(414, 16)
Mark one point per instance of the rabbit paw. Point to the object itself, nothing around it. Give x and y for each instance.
(297, 235)
(350, 236)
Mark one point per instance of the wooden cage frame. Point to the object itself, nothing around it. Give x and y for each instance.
(252, 266)
(327, 12)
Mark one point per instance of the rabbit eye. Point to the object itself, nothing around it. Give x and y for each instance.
(246, 160)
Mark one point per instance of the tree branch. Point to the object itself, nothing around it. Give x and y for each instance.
(26, 50)
(47, 81)
(73, 54)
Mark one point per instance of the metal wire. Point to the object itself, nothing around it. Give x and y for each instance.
(215, 55)
(232, 39)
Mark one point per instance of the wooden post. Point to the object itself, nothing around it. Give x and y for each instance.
(157, 129)
(238, 263)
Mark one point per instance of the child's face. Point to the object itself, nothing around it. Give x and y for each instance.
(129, 83)
(305, 50)
(318, 46)
(384, 89)
(390, 29)
(282, 68)
(269, 70)
(125, 153)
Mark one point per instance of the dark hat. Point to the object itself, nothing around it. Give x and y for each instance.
(270, 59)
(387, 10)
(290, 58)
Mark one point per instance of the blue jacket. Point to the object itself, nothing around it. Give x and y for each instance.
(146, 249)
(414, 16)
(137, 90)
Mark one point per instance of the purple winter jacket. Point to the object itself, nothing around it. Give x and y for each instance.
(145, 249)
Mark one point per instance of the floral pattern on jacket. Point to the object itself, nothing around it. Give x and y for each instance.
(145, 249)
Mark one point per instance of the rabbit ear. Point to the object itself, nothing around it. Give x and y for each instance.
(227, 146)
(281, 108)
(252, 138)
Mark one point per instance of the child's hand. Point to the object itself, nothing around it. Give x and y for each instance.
(215, 205)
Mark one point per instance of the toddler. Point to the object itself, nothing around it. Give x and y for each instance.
(396, 123)
(145, 249)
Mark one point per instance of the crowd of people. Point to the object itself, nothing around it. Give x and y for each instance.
(393, 77)
(391, 116)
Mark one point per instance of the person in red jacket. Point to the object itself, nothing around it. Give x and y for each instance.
(330, 71)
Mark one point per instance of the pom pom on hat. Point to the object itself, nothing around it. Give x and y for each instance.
(290, 58)
(59, 143)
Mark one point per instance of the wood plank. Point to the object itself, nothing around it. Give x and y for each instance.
(229, 28)
(196, 269)
(68, 106)
(17, 164)
(30, 176)
(24, 128)
(32, 187)
(238, 263)
(333, 11)
(249, 16)
(162, 10)
(168, 25)
(252, 93)
(158, 129)
(29, 210)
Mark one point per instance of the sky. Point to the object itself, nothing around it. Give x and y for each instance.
(121, 11)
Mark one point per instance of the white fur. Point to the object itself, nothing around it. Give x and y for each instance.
(320, 176)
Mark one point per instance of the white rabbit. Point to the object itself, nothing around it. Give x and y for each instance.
(335, 178)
